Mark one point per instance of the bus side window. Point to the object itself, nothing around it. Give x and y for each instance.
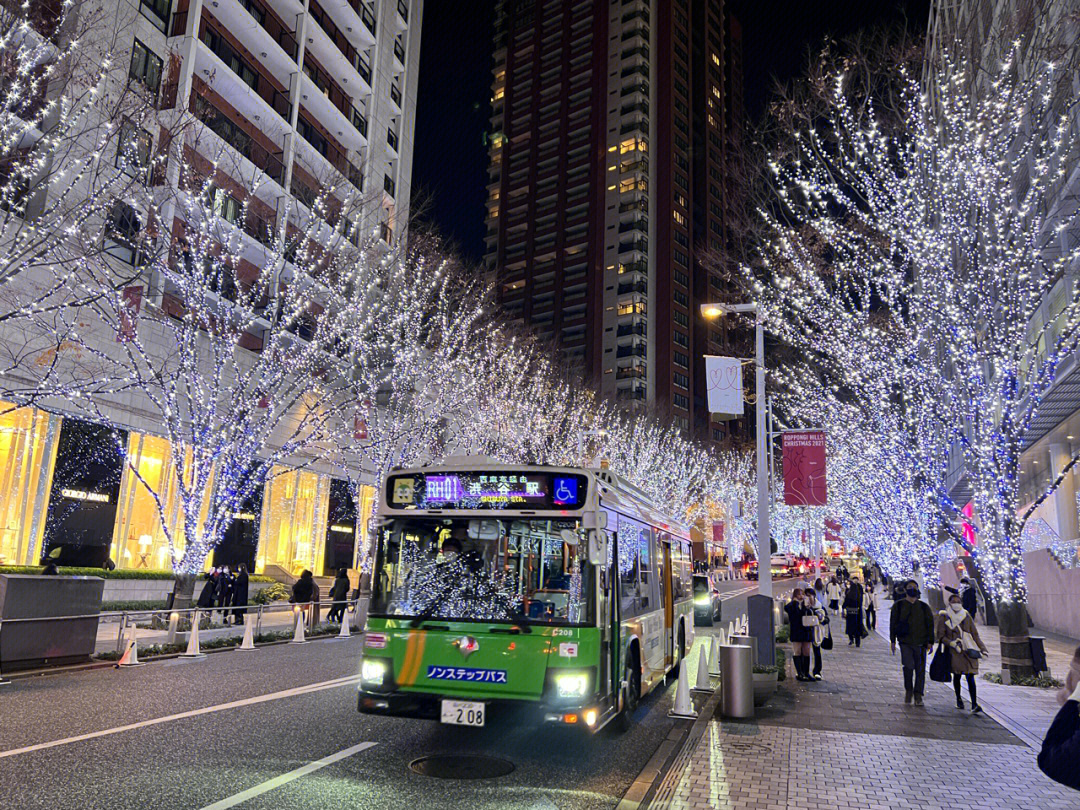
(647, 543)
(628, 565)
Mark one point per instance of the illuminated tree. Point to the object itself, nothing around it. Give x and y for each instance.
(911, 261)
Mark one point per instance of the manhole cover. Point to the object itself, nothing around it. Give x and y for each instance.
(748, 748)
(461, 766)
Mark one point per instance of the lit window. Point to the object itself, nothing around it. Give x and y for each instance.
(679, 217)
(715, 59)
(499, 93)
(632, 308)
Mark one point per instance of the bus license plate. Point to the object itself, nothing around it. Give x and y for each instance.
(462, 713)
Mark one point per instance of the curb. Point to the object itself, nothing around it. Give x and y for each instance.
(678, 741)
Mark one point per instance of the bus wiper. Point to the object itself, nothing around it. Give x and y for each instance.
(518, 620)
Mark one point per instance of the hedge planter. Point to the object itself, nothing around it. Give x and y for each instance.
(764, 679)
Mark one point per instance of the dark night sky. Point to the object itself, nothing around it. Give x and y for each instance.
(450, 156)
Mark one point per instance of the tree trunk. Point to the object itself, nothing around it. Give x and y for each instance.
(1015, 642)
(183, 592)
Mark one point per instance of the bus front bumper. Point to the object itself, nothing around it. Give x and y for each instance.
(429, 707)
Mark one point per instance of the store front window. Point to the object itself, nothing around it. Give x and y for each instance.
(28, 440)
(294, 521)
(140, 540)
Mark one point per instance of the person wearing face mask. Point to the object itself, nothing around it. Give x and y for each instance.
(956, 630)
(816, 626)
(800, 636)
(1060, 755)
(911, 622)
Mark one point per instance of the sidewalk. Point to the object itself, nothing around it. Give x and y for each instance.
(850, 743)
(1025, 711)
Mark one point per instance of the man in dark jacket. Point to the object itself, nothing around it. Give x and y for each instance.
(969, 597)
(1060, 755)
(339, 592)
(911, 622)
(240, 594)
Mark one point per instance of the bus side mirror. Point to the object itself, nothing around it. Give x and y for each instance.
(598, 547)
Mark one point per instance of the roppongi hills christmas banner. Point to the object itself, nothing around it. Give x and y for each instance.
(805, 483)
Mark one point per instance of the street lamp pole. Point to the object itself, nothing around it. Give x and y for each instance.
(764, 547)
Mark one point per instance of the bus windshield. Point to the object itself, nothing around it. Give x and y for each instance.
(517, 570)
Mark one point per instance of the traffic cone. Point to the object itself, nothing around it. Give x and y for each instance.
(731, 629)
(702, 684)
(344, 632)
(130, 658)
(193, 640)
(298, 633)
(684, 707)
(248, 643)
(721, 638)
(714, 658)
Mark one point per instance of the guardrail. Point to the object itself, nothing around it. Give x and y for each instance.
(169, 620)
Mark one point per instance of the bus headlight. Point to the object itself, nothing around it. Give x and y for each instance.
(572, 684)
(373, 671)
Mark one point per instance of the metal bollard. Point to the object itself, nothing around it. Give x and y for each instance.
(258, 622)
(174, 621)
(736, 681)
(746, 641)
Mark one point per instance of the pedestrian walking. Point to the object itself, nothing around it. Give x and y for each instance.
(817, 630)
(302, 590)
(819, 593)
(911, 622)
(1060, 753)
(223, 592)
(969, 596)
(956, 630)
(240, 594)
(209, 590)
(339, 593)
(870, 606)
(832, 590)
(799, 635)
(853, 613)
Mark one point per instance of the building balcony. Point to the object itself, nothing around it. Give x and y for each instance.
(634, 287)
(638, 225)
(630, 351)
(631, 330)
(640, 245)
(632, 394)
(229, 130)
(630, 373)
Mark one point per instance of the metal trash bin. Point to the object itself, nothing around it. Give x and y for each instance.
(747, 641)
(736, 681)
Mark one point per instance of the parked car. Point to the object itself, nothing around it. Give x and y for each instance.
(706, 600)
(780, 565)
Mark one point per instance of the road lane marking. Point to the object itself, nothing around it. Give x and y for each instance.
(285, 778)
(732, 594)
(298, 690)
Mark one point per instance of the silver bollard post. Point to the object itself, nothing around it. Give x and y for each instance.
(174, 623)
(258, 622)
(736, 681)
(746, 641)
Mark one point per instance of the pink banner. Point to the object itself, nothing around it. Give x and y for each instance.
(804, 467)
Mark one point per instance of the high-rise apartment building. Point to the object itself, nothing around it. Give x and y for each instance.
(612, 128)
(291, 101)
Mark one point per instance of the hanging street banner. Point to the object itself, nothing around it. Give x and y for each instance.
(723, 382)
(804, 467)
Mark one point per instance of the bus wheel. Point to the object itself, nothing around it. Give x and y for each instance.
(633, 692)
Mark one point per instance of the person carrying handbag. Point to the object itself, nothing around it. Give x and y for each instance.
(818, 636)
(956, 630)
(800, 635)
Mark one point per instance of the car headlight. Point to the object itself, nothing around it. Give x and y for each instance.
(373, 671)
(701, 600)
(572, 684)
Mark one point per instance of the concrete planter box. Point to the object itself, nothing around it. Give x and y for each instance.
(764, 686)
(49, 641)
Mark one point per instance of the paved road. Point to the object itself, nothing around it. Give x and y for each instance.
(279, 728)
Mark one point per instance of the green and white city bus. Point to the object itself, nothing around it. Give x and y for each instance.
(565, 590)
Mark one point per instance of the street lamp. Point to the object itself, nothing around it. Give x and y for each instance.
(764, 548)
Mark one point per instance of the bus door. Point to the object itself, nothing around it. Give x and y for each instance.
(667, 602)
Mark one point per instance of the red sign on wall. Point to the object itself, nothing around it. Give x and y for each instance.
(804, 467)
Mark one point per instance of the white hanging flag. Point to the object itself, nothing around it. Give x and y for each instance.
(723, 382)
